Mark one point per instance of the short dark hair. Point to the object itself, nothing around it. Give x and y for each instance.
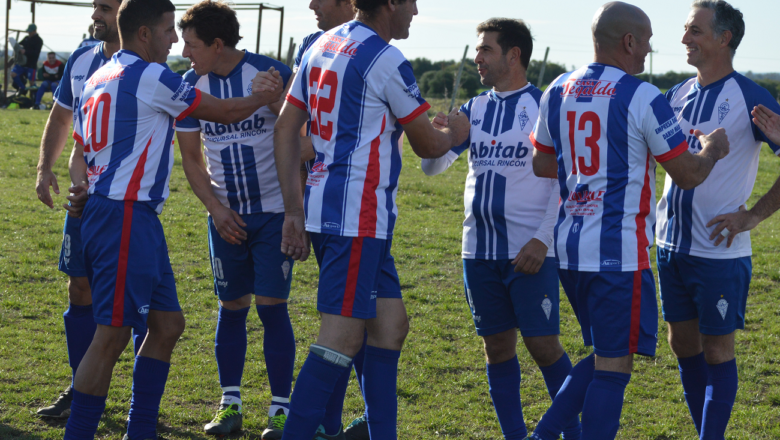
(724, 18)
(212, 20)
(51, 53)
(511, 33)
(136, 13)
(369, 7)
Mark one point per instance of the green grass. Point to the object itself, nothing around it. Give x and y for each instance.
(442, 386)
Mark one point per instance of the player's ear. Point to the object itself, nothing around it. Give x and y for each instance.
(725, 38)
(514, 55)
(144, 34)
(218, 45)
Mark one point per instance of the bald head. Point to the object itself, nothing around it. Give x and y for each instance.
(616, 19)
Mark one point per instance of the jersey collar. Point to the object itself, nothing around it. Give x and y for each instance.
(235, 70)
(527, 88)
(717, 83)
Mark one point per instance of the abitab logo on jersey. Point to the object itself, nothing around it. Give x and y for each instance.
(483, 155)
(239, 130)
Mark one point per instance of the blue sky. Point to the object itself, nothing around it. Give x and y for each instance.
(444, 27)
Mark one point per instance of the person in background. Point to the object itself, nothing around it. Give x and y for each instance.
(51, 74)
(91, 41)
(31, 48)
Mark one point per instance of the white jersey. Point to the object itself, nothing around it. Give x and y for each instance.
(240, 156)
(683, 215)
(125, 123)
(506, 205)
(80, 66)
(358, 91)
(607, 130)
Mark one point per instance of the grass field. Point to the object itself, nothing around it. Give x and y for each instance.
(442, 388)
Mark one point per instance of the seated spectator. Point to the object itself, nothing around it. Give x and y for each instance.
(31, 48)
(50, 74)
(91, 41)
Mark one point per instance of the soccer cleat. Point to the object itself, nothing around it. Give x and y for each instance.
(358, 429)
(275, 426)
(127, 437)
(228, 419)
(60, 409)
(320, 434)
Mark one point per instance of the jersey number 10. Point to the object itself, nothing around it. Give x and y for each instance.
(591, 142)
(322, 104)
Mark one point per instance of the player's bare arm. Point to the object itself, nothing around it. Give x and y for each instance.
(266, 89)
(429, 142)
(729, 225)
(55, 136)
(78, 192)
(768, 122)
(545, 165)
(689, 170)
(228, 222)
(287, 154)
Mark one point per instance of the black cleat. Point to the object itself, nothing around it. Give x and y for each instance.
(60, 409)
(228, 420)
(358, 429)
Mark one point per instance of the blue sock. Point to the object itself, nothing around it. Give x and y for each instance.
(568, 402)
(603, 405)
(149, 377)
(313, 389)
(554, 377)
(279, 350)
(79, 330)
(85, 413)
(230, 351)
(139, 335)
(380, 376)
(504, 381)
(335, 407)
(719, 399)
(693, 374)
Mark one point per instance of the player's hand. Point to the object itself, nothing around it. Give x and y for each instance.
(459, 125)
(268, 83)
(440, 122)
(43, 182)
(229, 224)
(736, 222)
(716, 143)
(79, 194)
(295, 240)
(531, 257)
(768, 122)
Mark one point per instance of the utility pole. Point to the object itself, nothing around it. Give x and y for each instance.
(544, 67)
(456, 86)
(651, 63)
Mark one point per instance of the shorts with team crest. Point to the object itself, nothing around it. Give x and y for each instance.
(126, 260)
(501, 299)
(71, 254)
(257, 265)
(714, 291)
(354, 272)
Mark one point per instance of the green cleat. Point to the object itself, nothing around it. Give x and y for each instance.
(60, 409)
(228, 420)
(275, 426)
(321, 435)
(358, 429)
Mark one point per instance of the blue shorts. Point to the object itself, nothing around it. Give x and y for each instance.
(501, 299)
(127, 263)
(354, 271)
(617, 311)
(714, 291)
(257, 265)
(71, 254)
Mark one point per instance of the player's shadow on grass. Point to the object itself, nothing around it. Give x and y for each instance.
(9, 432)
(166, 431)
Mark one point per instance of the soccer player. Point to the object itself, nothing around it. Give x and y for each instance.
(78, 319)
(125, 129)
(239, 187)
(359, 93)
(703, 238)
(601, 132)
(509, 270)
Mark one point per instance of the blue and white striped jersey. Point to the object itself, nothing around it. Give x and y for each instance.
(240, 156)
(305, 45)
(683, 215)
(506, 205)
(79, 68)
(607, 130)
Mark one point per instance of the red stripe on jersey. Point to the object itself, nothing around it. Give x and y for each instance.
(367, 220)
(117, 315)
(674, 152)
(352, 276)
(78, 139)
(540, 146)
(138, 174)
(636, 313)
(294, 101)
(192, 106)
(413, 115)
(641, 223)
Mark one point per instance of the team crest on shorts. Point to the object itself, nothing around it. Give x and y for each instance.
(723, 307)
(286, 268)
(547, 307)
